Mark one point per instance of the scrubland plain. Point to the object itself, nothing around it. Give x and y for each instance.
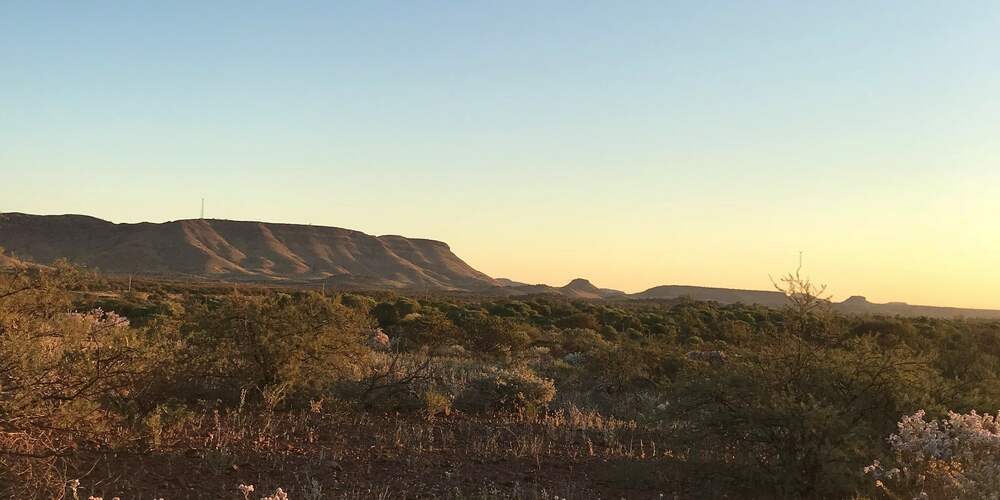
(174, 390)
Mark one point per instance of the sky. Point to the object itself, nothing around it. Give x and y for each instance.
(632, 143)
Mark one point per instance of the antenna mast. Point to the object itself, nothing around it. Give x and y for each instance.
(203, 208)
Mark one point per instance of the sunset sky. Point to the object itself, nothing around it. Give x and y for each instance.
(633, 143)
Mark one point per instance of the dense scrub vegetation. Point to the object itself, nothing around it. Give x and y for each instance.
(187, 392)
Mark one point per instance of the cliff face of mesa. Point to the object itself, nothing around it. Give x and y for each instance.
(239, 250)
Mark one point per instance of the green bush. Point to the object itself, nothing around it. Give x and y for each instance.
(798, 417)
(357, 302)
(436, 403)
(518, 390)
(429, 328)
(490, 334)
(305, 341)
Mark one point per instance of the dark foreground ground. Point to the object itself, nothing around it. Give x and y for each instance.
(349, 456)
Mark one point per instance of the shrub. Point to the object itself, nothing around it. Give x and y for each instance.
(519, 390)
(491, 334)
(429, 328)
(306, 342)
(405, 307)
(358, 302)
(583, 341)
(579, 320)
(436, 403)
(390, 380)
(386, 314)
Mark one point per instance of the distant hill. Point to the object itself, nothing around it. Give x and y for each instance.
(860, 305)
(240, 250)
(721, 295)
(775, 299)
(579, 288)
(584, 289)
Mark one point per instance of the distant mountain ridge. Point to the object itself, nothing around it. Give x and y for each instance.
(721, 295)
(774, 299)
(341, 258)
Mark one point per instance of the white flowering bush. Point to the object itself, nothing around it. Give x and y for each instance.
(248, 489)
(953, 458)
(98, 320)
(279, 494)
(377, 339)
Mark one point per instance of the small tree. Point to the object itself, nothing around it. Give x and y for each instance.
(808, 312)
(305, 341)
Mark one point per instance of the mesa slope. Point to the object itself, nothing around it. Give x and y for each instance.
(240, 250)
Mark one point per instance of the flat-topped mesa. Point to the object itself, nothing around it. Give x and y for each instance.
(246, 250)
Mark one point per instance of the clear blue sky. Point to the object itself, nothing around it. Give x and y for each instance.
(634, 143)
